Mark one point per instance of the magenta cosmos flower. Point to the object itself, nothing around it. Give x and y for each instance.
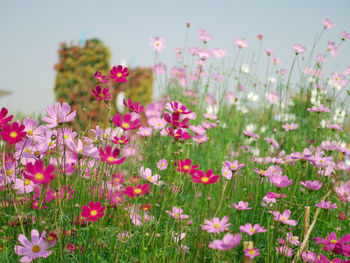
(228, 242)
(37, 248)
(198, 176)
(216, 225)
(284, 218)
(13, 133)
(158, 43)
(100, 78)
(174, 120)
(38, 174)
(177, 213)
(101, 94)
(111, 157)
(3, 119)
(312, 185)
(133, 107)
(132, 191)
(59, 113)
(251, 230)
(119, 73)
(241, 206)
(186, 166)
(178, 134)
(93, 212)
(176, 106)
(126, 123)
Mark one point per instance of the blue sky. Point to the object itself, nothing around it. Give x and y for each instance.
(31, 31)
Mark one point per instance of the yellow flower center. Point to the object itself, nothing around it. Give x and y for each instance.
(13, 134)
(36, 152)
(105, 135)
(27, 182)
(119, 75)
(93, 212)
(28, 151)
(333, 241)
(252, 252)
(30, 132)
(252, 230)
(186, 167)
(110, 159)
(66, 137)
(262, 172)
(39, 176)
(125, 125)
(102, 95)
(177, 215)
(205, 179)
(149, 178)
(234, 167)
(157, 44)
(50, 143)
(9, 172)
(216, 226)
(36, 249)
(137, 191)
(117, 198)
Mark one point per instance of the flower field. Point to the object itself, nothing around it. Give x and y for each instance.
(229, 166)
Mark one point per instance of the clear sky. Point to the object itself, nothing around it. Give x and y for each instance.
(30, 33)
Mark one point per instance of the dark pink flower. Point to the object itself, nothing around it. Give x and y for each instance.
(111, 157)
(119, 74)
(38, 173)
(93, 212)
(101, 94)
(198, 176)
(13, 133)
(126, 123)
(3, 119)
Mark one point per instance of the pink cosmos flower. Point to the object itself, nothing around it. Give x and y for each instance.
(284, 218)
(176, 106)
(123, 140)
(329, 242)
(320, 108)
(145, 131)
(119, 73)
(285, 250)
(198, 176)
(23, 186)
(159, 68)
(289, 127)
(252, 252)
(158, 43)
(93, 212)
(308, 256)
(174, 120)
(241, 43)
(294, 240)
(269, 52)
(280, 181)
(241, 206)
(251, 230)
(273, 97)
(204, 35)
(333, 49)
(226, 172)
(162, 164)
(345, 35)
(327, 23)
(37, 248)
(312, 185)
(200, 138)
(234, 166)
(13, 133)
(3, 119)
(38, 174)
(326, 205)
(110, 156)
(216, 225)
(133, 107)
(251, 134)
(177, 213)
(272, 142)
(157, 123)
(147, 175)
(259, 37)
(298, 49)
(262, 173)
(219, 53)
(126, 123)
(228, 242)
(101, 94)
(59, 113)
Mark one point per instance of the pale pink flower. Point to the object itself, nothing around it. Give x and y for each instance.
(285, 250)
(327, 23)
(252, 252)
(290, 127)
(280, 181)
(241, 206)
(345, 35)
(312, 185)
(204, 35)
(219, 53)
(298, 49)
(144, 131)
(309, 256)
(158, 43)
(159, 68)
(147, 175)
(226, 172)
(177, 213)
(59, 113)
(269, 52)
(333, 49)
(327, 205)
(162, 164)
(241, 43)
